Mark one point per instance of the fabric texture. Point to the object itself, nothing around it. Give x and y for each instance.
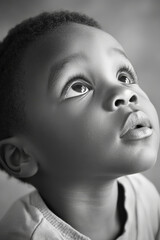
(30, 219)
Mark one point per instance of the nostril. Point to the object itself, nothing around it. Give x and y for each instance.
(133, 98)
(122, 101)
(119, 102)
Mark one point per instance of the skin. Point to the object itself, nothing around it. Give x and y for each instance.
(74, 150)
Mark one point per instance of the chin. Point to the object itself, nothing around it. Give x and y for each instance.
(136, 162)
(140, 156)
(143, 162)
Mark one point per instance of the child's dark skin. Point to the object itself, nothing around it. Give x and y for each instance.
(74, 152)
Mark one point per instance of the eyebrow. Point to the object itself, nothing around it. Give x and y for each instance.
(58, 67)
(118, 50)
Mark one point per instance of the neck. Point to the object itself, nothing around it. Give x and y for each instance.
(91, 208)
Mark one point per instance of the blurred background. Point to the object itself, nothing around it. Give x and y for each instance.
(136, 25)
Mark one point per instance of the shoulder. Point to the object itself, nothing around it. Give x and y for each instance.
(141, 186)
(21, 219)
(30, 219)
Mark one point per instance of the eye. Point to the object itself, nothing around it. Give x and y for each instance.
(76, 88)
(123, 77)
(127, 76)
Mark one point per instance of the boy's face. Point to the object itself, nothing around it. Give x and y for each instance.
(73, 76)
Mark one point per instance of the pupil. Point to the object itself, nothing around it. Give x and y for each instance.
(79, 88)
(124, 79)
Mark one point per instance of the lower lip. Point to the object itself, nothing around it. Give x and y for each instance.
(137, 133)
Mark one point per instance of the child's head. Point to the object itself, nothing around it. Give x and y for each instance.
(66, 89)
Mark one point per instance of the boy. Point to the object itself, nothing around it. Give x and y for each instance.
(74, 122)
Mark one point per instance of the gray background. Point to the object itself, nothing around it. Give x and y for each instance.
(136, 24)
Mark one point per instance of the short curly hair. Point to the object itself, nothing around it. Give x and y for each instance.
(12, 49)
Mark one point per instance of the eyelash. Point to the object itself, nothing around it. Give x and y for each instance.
(121, 69)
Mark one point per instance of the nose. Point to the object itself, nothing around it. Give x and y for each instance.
(120, 97)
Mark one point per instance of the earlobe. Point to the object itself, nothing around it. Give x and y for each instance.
(15, 160)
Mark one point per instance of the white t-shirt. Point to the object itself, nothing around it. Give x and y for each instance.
(30, 219)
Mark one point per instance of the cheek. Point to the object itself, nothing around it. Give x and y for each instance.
(146, 105)
(142, 94)
(77, 138)
(150, 110)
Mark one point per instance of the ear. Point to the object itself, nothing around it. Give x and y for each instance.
(15, 158)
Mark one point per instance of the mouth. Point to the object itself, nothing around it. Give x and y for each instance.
(136, 126)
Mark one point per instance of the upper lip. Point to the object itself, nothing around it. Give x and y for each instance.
(134, 119)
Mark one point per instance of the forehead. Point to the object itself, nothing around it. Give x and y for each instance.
(70, 39)
(54, 47)
(43, 55)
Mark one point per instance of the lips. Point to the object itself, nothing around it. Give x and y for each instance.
(135, 120)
